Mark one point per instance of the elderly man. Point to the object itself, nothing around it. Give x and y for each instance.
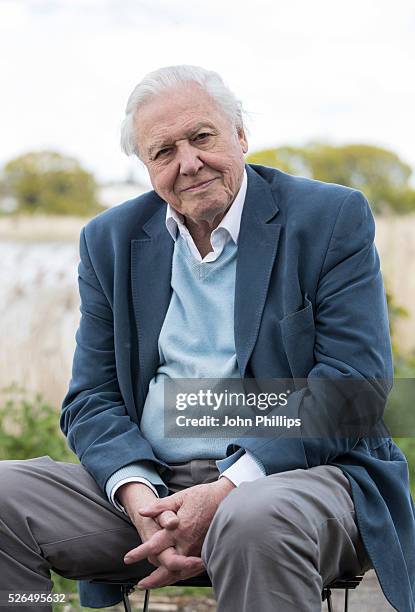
(223, 271)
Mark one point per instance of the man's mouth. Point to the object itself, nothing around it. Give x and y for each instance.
(199, 186)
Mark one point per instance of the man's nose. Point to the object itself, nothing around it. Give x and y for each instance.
(189, 160)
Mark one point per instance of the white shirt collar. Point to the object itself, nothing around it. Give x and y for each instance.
(231, 222)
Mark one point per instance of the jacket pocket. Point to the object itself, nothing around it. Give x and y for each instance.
(299, 320)
(298, 335)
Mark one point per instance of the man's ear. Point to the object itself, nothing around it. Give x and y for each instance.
(243, 139)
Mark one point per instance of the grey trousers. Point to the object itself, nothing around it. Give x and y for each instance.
(272, 544)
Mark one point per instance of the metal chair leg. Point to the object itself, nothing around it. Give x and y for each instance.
(146, 600)
(125, 600)
(329, 606)
(346, 600)
(125, 592)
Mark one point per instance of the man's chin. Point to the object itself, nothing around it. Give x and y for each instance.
(207, 211)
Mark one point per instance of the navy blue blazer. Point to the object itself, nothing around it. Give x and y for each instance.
(309, 303)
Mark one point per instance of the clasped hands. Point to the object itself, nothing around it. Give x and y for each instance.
(173, 529)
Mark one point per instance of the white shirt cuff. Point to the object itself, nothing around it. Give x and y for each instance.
(124, 481)
(245, 469)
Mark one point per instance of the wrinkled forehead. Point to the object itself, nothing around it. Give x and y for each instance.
(178, 98)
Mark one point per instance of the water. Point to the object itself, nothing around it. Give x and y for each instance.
(39, 314)
(34, 264)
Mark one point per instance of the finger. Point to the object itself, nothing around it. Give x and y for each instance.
(159, 578)
(157, 561)
(178, 563)
(172, 502)
(167, 520)
(194, 567)
(154, 561)
(158, 542)
(197, 569)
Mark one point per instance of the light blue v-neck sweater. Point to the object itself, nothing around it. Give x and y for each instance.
(196, 341)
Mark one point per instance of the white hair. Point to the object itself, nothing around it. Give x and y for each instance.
(162, 79)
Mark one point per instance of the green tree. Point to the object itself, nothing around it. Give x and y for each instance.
(380, 174)
(51, 183)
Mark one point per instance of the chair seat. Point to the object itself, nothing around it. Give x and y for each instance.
(203, 580)
(345, 583)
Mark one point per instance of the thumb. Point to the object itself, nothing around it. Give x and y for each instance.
(167, 519)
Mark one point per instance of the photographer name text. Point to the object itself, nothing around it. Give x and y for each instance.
(238, 421)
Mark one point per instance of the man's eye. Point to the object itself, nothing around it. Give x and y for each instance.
(202, 136)
(162, 153)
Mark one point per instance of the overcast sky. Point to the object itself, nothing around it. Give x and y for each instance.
(305, 70)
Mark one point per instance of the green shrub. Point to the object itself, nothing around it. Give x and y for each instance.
(29, 427)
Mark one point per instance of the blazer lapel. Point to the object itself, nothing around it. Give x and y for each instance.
(257, 248)
(151, 260)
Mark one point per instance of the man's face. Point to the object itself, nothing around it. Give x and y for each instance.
(192, 152)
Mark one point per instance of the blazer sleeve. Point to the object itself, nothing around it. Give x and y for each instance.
(94, 417)
(347, 387)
